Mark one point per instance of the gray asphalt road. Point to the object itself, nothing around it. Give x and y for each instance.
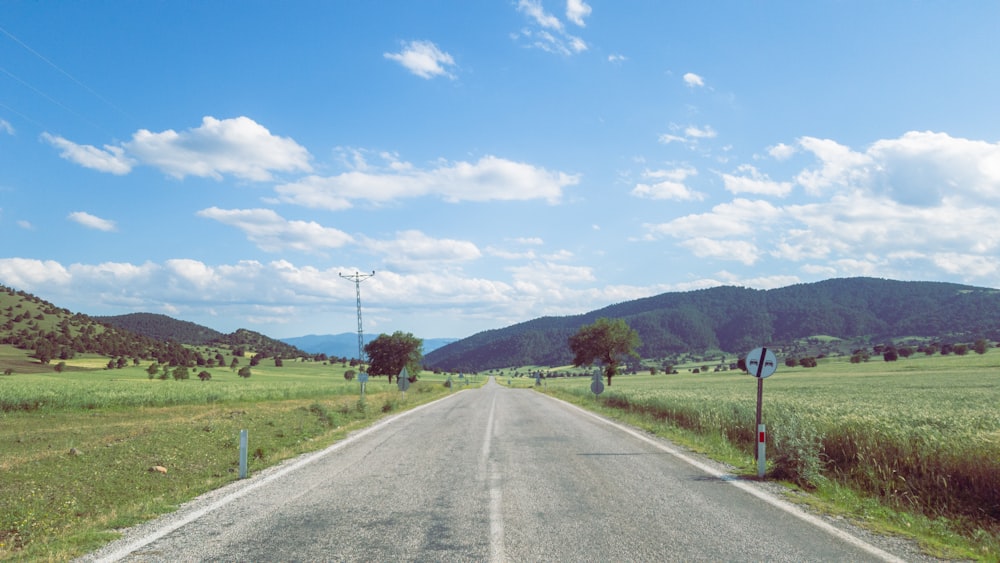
(492, 474)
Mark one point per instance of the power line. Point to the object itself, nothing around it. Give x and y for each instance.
(357, 278)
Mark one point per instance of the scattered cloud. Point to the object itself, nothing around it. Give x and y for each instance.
(110, 159)
(687, 135)
(547, 32)
(700, 132)
(413, 249)
(668, 184)
(424, 59)
(781, 151)
(273, 233)
(239, 147)
(692, 80)
(616, 58)
(92, 221)
(26, 225)
(488, 179)
(576, 11)
(6, 127)
(752, 181)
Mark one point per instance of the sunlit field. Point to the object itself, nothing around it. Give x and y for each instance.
(77, 448)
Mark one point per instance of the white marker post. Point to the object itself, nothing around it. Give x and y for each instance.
(243, 454)
(761, 363)
(761, 456)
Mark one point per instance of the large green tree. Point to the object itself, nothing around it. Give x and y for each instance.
(608, 341)
(388, 354)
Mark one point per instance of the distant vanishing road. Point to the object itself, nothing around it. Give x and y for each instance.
(492, 474)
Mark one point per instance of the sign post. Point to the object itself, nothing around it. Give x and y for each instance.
(363, 380)
(597, 386)
(761, 363)
(403, 380)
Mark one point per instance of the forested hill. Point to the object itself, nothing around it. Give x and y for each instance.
(162, 327)
(735, 320)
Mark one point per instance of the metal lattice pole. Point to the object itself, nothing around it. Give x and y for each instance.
(357, 278)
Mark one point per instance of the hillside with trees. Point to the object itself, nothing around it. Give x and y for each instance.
(162, 327)
(50, 334)
(735, 319)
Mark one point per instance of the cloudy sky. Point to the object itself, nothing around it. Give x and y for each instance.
(491, 161)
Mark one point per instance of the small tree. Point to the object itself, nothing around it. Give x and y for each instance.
(349, 375)
(204, 375)
(181, 373)
(389, 354)
(244, 372)
(607, 341)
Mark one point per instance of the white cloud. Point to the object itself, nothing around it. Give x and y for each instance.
(617, 58)
(738, 218)
(240, 147)
(273, 233)
(750, 180)
(841, 167)
(700, 132)
(692, 80)
(781, 151)
(548, 32)
(920, 168)
(424, 59)
(6, 127)
(668, 184)
(25, 225)
(91, 221)
(415, 250)
(534, 10)
(488, 179)
(723, 249)
(109, 159)
(576, 11)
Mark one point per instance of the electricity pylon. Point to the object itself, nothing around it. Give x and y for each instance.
(357, 279)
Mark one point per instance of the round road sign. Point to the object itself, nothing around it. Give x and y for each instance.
(761, 362)
(597, 387)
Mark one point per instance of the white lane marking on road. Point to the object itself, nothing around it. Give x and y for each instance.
(762, 495)
(172, 526)
(489, 473)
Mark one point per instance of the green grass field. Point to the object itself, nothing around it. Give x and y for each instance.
(920, 435)
(76, 447)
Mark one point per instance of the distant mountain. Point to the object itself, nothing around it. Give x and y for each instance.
(345, 345)
(736, 319)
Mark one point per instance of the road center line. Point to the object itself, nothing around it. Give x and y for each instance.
(488, 472)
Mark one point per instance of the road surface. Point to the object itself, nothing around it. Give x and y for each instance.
(492, 474)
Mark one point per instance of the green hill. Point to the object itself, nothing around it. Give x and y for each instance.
(734, 320)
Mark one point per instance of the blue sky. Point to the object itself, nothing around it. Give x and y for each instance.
(491, 161)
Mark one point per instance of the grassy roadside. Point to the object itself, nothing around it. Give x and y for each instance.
(940, 536)
(68, 476)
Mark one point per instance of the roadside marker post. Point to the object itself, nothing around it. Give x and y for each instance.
(761, 363)
(243, 454)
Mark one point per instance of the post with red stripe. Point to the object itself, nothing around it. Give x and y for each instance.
(761, 363)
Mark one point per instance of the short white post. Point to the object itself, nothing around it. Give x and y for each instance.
(761, 442)
(243, 454)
